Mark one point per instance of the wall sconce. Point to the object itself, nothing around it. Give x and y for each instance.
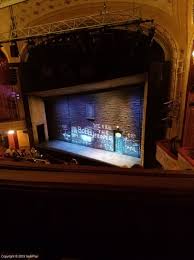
(11, 132)
(193, 56)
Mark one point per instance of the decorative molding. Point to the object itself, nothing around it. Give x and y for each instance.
(15, 125)
(6, 3)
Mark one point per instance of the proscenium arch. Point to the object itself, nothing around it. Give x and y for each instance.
(164, 39)
(162, 36)
(171, 51)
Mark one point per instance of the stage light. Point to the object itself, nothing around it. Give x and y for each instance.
(31, 43)
(118, 134)
(14, 49)
(11, 132)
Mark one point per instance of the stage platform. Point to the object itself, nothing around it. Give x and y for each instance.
(107, 157)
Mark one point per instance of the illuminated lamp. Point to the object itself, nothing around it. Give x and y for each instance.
(11, 132)
(118, 134)
(193, 56)
(117, 140)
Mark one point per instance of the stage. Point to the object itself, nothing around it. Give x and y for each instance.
(107, 157)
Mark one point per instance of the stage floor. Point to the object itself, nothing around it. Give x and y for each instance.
(111, 158)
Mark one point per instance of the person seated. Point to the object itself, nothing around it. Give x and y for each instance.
(23, 152)
(33, 151)
(19, 152)
(9, 152)
(28, 153)
(74, 161)
(16, 155)
(136, 166)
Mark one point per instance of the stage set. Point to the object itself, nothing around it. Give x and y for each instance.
(105, 125)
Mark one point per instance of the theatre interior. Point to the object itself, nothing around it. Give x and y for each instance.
(97, 111)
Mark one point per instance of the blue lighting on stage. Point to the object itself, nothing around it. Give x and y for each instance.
(93, 136)
(110, 121)
(86, 138)
(104, 139)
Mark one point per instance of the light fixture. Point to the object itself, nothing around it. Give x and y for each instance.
(117, 141)
(31, 43)
(14, 49)
(11, 132)
(118, 133)
(192, 56)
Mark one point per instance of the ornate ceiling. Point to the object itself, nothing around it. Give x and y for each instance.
(31, 11)
(170, 16)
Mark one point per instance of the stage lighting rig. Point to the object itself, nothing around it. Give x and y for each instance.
(103, 20)
(14, 49)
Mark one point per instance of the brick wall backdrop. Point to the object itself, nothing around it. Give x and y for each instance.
(90, 119)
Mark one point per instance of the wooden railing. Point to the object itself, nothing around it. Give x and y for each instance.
(53, 174)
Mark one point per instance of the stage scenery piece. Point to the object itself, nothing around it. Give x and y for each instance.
(108, 120)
